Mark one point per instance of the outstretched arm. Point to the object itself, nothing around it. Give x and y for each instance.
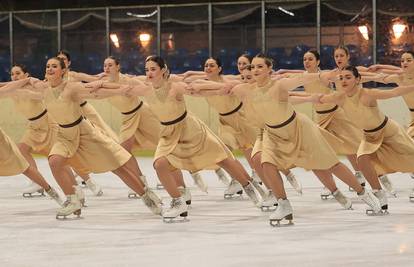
(13, 85)
(385, 94)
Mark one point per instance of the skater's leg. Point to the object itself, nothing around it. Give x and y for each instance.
(369, 172)
(64, 178)
(165, 174)
(343, 173)
(133, 166)
(326, 179)
(354, 162)
(236, 170)
(257, 159)
(178, 177)
(32, 172)
(129, 178)
(275, 180)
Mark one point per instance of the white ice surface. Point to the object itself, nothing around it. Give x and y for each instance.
(117, 231)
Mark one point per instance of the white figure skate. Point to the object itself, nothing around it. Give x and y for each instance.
(283, 211)
(259, 188)
(55, 196)
(133, 194)
(411, 197)
(234, 189)
(386, 183)
(253, 194)
(81, 195)
(325, 193)
(94, 187)
(199, 182)
(256, 177)
(177, 212)
(294, 182)
(33, 190)
(270, 204)
(222, 176)
(152, 201)
(186, 194)
(382, 197)
(361, 180)
(343, 200)
(71, 206)
(372, 201)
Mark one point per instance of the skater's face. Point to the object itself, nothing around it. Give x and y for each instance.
(65, 59)
(110, 66)
(348, 80)
(211, 68)
(341, 58)
(242, 62)
(17, 73)
(246, 76)
(54, 70)
(310, 62)
(153, 71)
(407, 62)
(260, 70)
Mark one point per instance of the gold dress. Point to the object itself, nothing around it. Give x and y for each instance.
(391, 148)
(93, 116)
(137, 118)
(234, 129)
(78, 140)
(12, 161)
(289, 138)
(185, 141)
(41, 130)
(333, 119)
(409, 100)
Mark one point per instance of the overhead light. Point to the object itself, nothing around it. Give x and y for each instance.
(398, 28)
(114, 39)
(363, 29)
(144, 37)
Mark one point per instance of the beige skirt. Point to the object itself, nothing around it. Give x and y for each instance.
(88, 149)
(191, 145)
(143, 125)
(93, 116)
(235, 131)
(341, 127)
(12, 161)
(391, 149)
(40, 135)
(301, 143)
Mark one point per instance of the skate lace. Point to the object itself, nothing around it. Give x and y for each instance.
(175, 202)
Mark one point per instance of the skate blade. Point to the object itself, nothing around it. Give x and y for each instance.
(100, 193)
(325, 197)
(188, 202)
(179, 219)
(33, 195)
(277, 223)
(380, 213)
(411, 199)
(160, 187)
(233, 197)
(77, 216)
(134, 196)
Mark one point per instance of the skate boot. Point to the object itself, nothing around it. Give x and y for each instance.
(186, 194)
(411, 197)
(133, 194)
(72, 205)
(94, 187)
(199, 182)
(152, 201)
(233, 190)
(270, 204)
(325, 193)
(371, 200)
(81, 195)
(55, 196)
(256, 177)
(259, 188)
(343, 200)
(253, 195)
(177, 208)
(382, 197)
(222, 176)
(361, 180)
(33, 190)
(386, 183)
(283, 211)
(294, 182)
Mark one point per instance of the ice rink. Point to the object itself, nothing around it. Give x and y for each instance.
(117, 231)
